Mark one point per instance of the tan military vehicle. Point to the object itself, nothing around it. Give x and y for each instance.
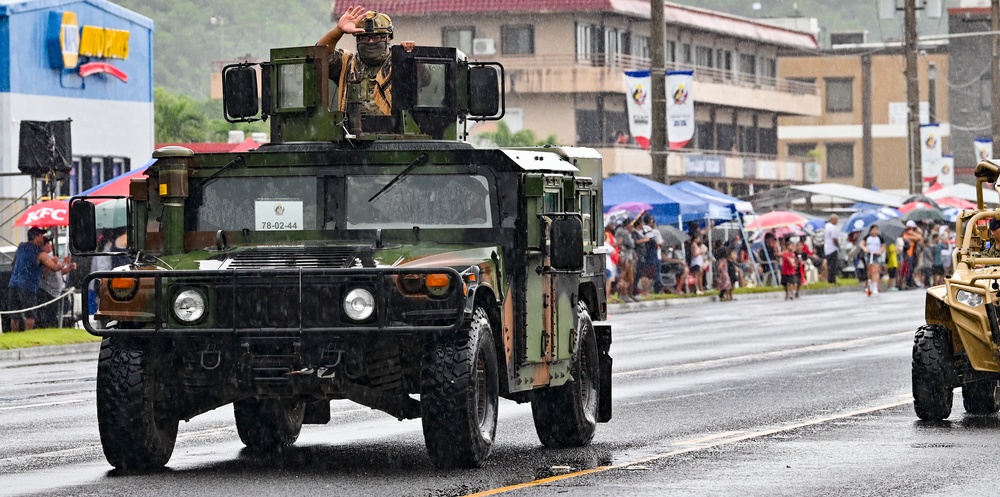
(960, 344)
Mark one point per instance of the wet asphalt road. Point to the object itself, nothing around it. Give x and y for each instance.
(752, 397)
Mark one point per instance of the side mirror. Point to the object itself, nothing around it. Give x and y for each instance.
(484, 92)
(566, 244)
(239, 93)
(82, 227)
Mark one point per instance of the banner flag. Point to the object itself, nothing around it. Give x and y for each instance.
(680, 108)
(984, 148)
(947, 175)
(640, 106)
(930, 152)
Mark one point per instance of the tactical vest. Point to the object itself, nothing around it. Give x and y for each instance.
(377, 93)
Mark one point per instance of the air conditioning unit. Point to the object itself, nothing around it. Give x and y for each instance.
(483, 46)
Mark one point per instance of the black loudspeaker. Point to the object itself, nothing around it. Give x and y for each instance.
(45, 146)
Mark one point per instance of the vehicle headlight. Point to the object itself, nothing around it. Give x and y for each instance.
(359, 304)
(968, 298)
(189, 306)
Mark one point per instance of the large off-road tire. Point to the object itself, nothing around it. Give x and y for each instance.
(268, 424)
(137, 430)
(566, 416)
(981, 397)
(932, 358)
(459, 393)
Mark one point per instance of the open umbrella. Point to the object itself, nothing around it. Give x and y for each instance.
(891, 228)
(917, 204)
(960, 203)
(924, 214)
(776, 219)
(45, 214)
(861, 220)
(632, 207)
(919, 197)
(672, 235)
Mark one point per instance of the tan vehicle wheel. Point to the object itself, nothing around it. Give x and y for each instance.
(932, 395)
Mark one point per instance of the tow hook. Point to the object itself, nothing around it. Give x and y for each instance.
(324, 372)
(211, 355)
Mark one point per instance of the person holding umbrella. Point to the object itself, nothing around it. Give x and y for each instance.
(29, 260)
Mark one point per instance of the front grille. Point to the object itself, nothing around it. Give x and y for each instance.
(285, 257)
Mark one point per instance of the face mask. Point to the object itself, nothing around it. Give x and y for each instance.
(373, 53)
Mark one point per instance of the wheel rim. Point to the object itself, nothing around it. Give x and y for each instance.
(588, 389)
(482, 393)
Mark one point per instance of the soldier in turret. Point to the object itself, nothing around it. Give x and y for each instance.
(371, 66)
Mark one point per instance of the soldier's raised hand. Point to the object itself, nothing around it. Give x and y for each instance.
(353, 20)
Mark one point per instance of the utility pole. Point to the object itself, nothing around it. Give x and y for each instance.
(657, 74)
(867, 152)
(913, 96)
(995, 75)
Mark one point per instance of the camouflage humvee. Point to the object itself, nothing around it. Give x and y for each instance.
(372, 258)
(960, 344)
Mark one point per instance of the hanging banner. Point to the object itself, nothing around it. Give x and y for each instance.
(930, 152)
(984, 148)
(680, 108)
(947, 175)
(640, 106)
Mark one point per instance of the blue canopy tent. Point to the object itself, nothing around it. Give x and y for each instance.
(670, 206)
(733, 208)
(715, 197)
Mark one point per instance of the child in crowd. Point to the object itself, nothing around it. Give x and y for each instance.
(789, 270)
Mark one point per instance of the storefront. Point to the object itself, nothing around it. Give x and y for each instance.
(89, 61)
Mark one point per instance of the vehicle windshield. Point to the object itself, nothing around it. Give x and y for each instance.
(291, 203)
(424, 200)
(276, 203)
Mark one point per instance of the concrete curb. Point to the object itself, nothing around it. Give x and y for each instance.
(613, 309)
(628, 308)
(14, 355)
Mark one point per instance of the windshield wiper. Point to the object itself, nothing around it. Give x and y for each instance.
(419, 161)
(239, 160)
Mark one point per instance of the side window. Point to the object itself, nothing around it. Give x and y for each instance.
(517, 40)
(458, 37)
(587, 210)
(552, 203)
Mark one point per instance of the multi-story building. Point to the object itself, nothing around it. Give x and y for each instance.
(565, 63)
(855, 80)
(970, 83)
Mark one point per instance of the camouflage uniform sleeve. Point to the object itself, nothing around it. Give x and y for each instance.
(993, 251)
(336, 63)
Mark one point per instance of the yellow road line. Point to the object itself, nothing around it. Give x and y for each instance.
(708, 442)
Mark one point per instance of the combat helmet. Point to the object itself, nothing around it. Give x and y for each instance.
(377, 23)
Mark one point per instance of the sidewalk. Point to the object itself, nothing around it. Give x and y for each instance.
(14, 355)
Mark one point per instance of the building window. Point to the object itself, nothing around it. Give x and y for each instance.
(671, 51)
(839, 94)
(725, 135)
(748, 68)
(517, 40)
(686, 53)
(705, 135)
(748, 139)
(769, 67)
(642, 47)
(703, 57)
(460, 38)
(724, 61)
(612, 46)
(768, 141)
(584, 41)
(839, 160)
(801, 150)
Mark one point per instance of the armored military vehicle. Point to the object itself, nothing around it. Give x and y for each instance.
(375, 258)
(960, 344)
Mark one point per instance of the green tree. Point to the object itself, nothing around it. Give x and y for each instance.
(502, 137)
(177, 118)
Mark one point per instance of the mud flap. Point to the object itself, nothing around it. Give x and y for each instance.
(604, 361)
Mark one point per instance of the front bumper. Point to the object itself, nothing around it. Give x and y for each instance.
(268, 301)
